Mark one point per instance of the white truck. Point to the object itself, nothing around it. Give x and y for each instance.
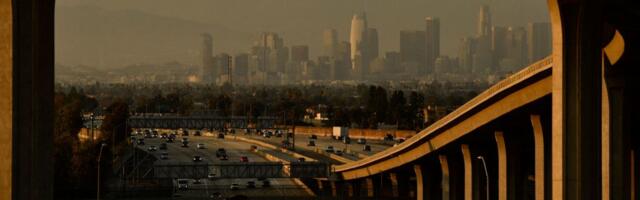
(340, 132)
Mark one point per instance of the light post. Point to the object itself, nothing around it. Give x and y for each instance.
(486, 174)
(99, 157)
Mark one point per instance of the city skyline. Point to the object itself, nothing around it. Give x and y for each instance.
(233, 36)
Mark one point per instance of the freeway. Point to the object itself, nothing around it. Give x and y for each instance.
(352, 151)
(235, 150)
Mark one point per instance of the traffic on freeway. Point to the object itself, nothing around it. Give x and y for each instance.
(187, 146)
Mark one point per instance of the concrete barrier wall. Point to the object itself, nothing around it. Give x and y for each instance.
(355, 132)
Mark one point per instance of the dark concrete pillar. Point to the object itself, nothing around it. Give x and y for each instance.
(502, 166)
(32, 97)
(468, 172)
(538, 140)
(576, 99)
(445, 183)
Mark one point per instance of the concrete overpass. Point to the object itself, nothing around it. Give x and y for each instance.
(500, 145)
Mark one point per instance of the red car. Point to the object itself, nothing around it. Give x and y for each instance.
(244, 159)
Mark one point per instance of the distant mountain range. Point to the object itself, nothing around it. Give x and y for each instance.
(105, 39)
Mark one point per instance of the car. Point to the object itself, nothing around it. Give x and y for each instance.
(164, 156)
(183, 184)
(232, 131)
(197, 181)
(286, 144)
(220, 136)
(266, 183)
(313, 137)
(185, 133)
(197, 133)
(346, 140)
(163, 146)
(185, 144)
(338, 152)
(311, 143)
(211, 176)
(197, 159)
(163, 136)
(329, 149)
(152, 148)
(251, 184)
(216, 195)
(254, 147)
(184, 139)
(301, 159)
(200, 146)
(234, 186)
(224, 157)
(366, 148)
(170, 140)
(362, 141)
(244, 159)
(388, 137)
(141, 142)
(221, 152)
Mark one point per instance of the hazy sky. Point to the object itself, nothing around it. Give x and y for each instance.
(298, 21)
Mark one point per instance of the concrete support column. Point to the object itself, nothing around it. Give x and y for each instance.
(368, 185)
(420, 186)
(445, 182)
(538, 140)
(577, 29)
(350, 189)
(334, 189)
(468, 172)
(320, 186)
(502, 166)
(393, 177)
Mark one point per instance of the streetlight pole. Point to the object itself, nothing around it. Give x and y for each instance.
(486, 174)
(99, 157)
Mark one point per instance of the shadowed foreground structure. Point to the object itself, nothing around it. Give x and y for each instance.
(559, 129)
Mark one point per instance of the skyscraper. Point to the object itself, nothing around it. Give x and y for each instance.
(498, 43)
(299, 53)
(372, 43)
(358, 38)
(207, 73)
(330, 42)
(538, 41)
(516, 47)
(432, 42)
(465, 54)
(412, 50)
(484, 21)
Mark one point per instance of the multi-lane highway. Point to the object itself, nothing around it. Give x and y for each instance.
(352, 151)
(218, 186)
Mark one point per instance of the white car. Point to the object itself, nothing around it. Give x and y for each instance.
(200, 146)
(183, 184)
(152, 148)
(234, 186)
(211, 176)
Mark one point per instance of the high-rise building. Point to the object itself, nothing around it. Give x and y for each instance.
(484, 21)
(372, 43)
(344, 52)
(299, 53)
(432, 42)
(412, 50)
(207, 73)
(271, 52)
(538, 41)
(516, 48)
(330, 43)
(392, 61)
(359, 46)
(465, 54)
(223, 67)
(498, 43)
(241, 65)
